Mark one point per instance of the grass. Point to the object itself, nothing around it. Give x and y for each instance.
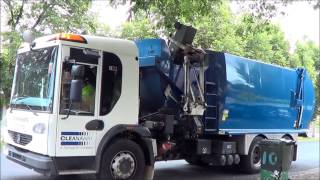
(308, 139)
(1, 143)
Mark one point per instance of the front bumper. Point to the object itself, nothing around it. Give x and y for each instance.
(39, 163)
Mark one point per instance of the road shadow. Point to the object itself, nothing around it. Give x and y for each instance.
(40, 177)
(190, 172)
(185, 172)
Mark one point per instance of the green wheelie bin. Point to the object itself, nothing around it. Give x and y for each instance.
(276, 158)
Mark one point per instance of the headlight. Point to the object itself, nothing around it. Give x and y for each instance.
(39, 128)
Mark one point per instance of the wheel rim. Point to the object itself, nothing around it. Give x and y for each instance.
(123, 165)
(256, 156)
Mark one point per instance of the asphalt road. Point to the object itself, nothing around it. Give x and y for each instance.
(308, 159)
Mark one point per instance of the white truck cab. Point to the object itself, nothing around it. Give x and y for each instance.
(43, 132)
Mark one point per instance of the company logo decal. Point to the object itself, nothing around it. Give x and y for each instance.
(75, 138)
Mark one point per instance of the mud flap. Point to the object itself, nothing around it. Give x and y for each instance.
(149, 172)
(295, 151)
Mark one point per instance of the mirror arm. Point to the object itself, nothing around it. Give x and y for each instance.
(69, 110)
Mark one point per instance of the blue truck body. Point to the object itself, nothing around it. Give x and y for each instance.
(242, 95)
(259, 97)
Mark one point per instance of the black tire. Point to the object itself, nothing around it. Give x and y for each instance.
(287, 137)
(196, 161)
(127, 157)
(251, 163)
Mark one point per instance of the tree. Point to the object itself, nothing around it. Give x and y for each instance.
(39, 16)
(216, 33)
(139, 27)
(268, 9)
(265, 9)
(263, 40)
(165, 13)
(7, 62)
(216, 30)
(307, 54)
(53, 15)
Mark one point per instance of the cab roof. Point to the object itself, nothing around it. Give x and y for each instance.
(119, 46)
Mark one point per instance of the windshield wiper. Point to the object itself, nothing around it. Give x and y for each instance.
(20, 98)
(11, 106)
(26, 105)
(15, 99)
(30, 109)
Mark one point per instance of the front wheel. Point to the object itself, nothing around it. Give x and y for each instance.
(124, 160)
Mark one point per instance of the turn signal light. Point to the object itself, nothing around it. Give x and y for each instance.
(70, 37)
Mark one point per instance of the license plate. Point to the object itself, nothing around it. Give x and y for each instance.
(17, 156)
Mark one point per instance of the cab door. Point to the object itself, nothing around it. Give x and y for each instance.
(73, 138)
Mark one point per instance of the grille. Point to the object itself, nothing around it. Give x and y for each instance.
(20, 138)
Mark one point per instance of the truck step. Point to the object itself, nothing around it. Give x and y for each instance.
(210, 83)
(77, 171)
(211, 94)
(210, 117)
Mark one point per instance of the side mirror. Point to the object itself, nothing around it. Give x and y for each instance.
(76, 90)
(91, 53)
(77, 71)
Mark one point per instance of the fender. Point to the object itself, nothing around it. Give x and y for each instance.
(143, 132)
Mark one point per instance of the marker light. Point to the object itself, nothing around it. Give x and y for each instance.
(70, 37)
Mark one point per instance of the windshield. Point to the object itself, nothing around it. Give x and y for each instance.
(33, 84)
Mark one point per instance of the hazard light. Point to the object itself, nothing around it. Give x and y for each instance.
(69, 37)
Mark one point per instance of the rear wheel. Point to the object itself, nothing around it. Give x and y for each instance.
(251, 163)
(123, 160)
(287, 137)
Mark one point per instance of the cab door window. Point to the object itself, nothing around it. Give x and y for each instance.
(110, 82)
(87, 105)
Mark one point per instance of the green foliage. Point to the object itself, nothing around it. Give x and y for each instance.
(265, 9)
(64, 16)
(139, 28)
(55, 15)
(7, 63)
(251, 35)
(307, 54)
(103, 30)
(166, 12)
(218, 33)
(40, 17)
(263, 40)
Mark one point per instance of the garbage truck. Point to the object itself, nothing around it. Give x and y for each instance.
(83, 104)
